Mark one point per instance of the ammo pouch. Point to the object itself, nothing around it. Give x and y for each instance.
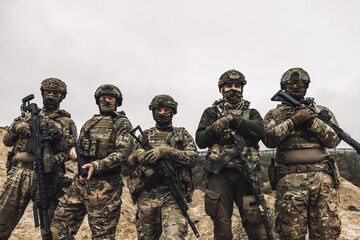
(273, 174)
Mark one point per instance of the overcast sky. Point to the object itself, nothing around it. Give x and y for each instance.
(179, 48)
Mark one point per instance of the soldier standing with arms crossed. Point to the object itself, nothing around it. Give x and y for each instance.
(307, 181)
(106, 144)
(157, 208)
(21, 184)
(229, 185)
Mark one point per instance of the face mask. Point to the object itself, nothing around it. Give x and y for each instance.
(233, 96)
(51, 102)
(106, 107)
(296, 92)
(162, 119)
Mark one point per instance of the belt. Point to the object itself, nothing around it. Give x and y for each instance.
(302, 168)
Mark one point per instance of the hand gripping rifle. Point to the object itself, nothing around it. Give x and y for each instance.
(38, 143)
(323, 116)
(80, 159)
(164, 174)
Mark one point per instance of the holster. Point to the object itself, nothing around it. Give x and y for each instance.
(335, 173)
(273, 174)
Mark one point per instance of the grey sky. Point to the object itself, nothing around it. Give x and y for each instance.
(179, 48)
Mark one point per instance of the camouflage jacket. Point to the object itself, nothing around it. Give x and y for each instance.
(58, 123)
(106, 142)
(182, 158)
(302, 144)
(246, 121)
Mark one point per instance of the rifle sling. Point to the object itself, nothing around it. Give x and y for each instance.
(224, 159)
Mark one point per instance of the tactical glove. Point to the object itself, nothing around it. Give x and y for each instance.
(155, 154)
(302, 115)
(221, 124)
(140, 154)
(22, 129)
(54, 132)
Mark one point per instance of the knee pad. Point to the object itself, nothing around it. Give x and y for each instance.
(251, 212)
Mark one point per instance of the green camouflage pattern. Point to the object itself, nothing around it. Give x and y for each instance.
(163, 100)
(104, 203)
(20, 186)
(231, 76)
(230, 186)
(157, 209)
(306, 200)
(108, 90)
(302, 75)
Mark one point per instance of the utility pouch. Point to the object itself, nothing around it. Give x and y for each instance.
(335, 173)
(273, 174)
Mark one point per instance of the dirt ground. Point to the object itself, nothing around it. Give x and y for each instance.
(349, 194)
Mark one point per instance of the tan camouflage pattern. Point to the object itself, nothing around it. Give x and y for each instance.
(104, 203)
(158, 209)
(306, 200)
(20, 186)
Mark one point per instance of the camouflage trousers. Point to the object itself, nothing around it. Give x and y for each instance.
(307, 201)
(221, 191)
(19, 188)
(156, 212)
(102, 206)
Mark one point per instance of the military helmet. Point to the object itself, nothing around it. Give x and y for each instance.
(109, 90)
(163, 100)
(54, 84)
(231, 76)
(295, 74)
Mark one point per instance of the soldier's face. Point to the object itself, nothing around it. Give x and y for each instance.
(107, 98)
(162, 110)
(296, 89)
(53, 93)
(232, 86)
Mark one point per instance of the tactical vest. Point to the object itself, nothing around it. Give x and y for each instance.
(218, 149)
(184, 174)
(300, 146)
(98, 136)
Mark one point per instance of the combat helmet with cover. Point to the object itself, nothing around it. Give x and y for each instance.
(109, 90)
(163, 100)
(54, 84)
(295, 74)
(231, 76)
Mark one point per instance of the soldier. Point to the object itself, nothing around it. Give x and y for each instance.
(157, 208)
(232, 113)
(106, 145)
(21, 185)
(306, 194)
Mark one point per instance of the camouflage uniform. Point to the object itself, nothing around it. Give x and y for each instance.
(106, 145)
(230, 185)
(157, 209)
(306, 194)
(21, 185)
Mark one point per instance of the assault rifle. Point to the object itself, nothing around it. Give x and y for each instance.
(80, 159)
(323, 116)
(165, 174)
(38, 143)
(253, 180)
